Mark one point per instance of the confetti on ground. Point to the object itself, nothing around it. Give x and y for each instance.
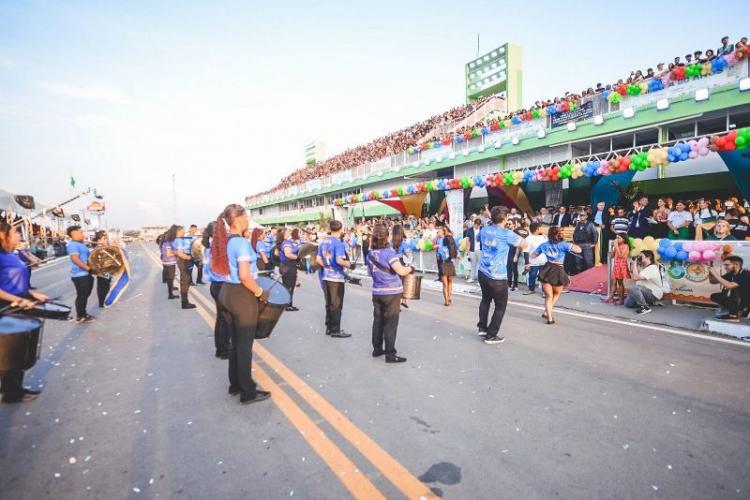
(72, 460)
(625, 446)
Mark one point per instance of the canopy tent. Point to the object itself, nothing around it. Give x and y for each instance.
(407, 205)
(8, 203)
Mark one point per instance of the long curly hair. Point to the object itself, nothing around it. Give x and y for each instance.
(219, 259)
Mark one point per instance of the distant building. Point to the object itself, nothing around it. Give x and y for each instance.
(315, 152)
(149, 233)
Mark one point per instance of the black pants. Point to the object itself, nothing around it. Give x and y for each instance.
(84, 285)
(512, 267)
(168, 277)
(730, 302)
(11, 384)
(184, 267)
(198, 264)
(102, 289)
(492, 291)
(386, 309)
(333, 292)
(222, 328)
(242, 308)
(586, 260)
(289, 278)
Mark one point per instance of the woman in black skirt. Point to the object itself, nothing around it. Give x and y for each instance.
(553, 275)
(446, 253)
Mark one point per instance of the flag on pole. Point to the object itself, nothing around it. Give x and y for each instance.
(72, 182)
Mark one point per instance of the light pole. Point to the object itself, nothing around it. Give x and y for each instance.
(174, 201)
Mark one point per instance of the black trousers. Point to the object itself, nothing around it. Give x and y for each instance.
(11, 384)
(730, 302)
(84, 285)
(222, 328)
(198, 264)
(289, 278)
(242, 308)
(512, 267)
(386, 309)
(184, 267)
(492, 291)
(168, 277)
(102, 289)
(333, 292)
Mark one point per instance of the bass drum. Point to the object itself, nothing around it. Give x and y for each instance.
(269, 314)
(20, 342)
(306, 260)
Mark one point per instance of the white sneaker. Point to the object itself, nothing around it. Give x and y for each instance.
(470, 280)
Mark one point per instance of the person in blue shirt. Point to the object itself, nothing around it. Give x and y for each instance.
(386, 270)
(333, 260)
(553, 275)
(222, 334)
(288, 249)
(14, 289)
(263, 247)
(494, 241)
(233, 257)
(182, 252)
(193, 236)
(80, 272)
(168, 254)
(401, 247)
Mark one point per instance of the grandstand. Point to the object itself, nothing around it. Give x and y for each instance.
(469, 145)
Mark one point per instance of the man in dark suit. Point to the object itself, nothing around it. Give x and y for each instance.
(561, 218)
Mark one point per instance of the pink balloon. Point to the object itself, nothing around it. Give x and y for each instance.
(703, 142)
(693, 155)
(688, 246)
(694, 256)
(693, 144)
(709, 255)
(700, 246)
(703, 151)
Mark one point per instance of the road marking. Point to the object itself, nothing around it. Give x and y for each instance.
(48, 265)
(332, 455)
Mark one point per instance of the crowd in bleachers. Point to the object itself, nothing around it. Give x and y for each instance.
(438, 128)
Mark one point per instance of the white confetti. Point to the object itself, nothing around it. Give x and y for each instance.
(625, 446)
(190, 422)
(57, 474)
(137, 412)
(656, 488)
(72, 460)
(669, 467)
(72, 441)
(151, 481)
(431, 395)
(137, 490)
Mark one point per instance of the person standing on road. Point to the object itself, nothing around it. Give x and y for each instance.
(288, 249)
(168, 259)
(182, 251)
(446, 253)
(240, 295)
(332, 259)
(196, 255)
(80, 272)
(102, 282)
(386, 271)
(534, 265)
(474, 248)
(493, 273)
(222, 330)
(553, 274)
(14, 289)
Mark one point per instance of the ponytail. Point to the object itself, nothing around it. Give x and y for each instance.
(219, 258)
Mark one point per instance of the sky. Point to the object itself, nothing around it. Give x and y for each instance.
(225, 94)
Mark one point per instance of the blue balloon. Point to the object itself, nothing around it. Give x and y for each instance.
(682, 255)
(459, 139)
(677, 246)
(436, 144)
(528, 176)
(684, 156)
(515, 120)
(479, 181)
(670, 253)
(664, 242)
(485, 131)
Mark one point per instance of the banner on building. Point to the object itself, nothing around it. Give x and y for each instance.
(582, 112)
(455, 200)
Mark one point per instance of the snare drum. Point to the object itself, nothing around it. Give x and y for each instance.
(47, 310)
(20, 342)
(269, 314)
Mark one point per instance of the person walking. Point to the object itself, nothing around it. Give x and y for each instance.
(332, 259)
(534, 265)
(553, 275)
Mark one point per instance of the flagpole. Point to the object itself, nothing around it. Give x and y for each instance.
(174, 201)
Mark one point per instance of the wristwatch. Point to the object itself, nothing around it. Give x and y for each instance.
(259, 294)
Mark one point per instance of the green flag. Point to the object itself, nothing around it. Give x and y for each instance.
(72, 181)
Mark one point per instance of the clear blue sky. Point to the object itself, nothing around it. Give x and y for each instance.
(121, 94)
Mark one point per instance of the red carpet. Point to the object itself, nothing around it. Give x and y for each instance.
(593, 280)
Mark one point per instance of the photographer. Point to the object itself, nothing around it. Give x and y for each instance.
(735, 285)
(647, 289)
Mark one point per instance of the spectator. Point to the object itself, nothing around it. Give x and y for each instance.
(647, 289)
(735, 288)
(726, 47)
(741, 231)
(679, 221)
(660, 215)
(619, 253)
(639, 219)
(585, 236)
(474, 248)
(561, 218)
(721, 232)
(620, 224)
(534, 264)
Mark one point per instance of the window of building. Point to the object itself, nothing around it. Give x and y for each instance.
(580, 149)
(712, 125)
(739, 120)
(622, 141)
(647, 137)
(600, 146)
(681, 131)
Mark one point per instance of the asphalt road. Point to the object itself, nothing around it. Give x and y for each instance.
(135, 406)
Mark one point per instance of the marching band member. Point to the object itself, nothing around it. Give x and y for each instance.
(386, 271)
(168, 258)
(332, 259)
(553, 275)
(198, 263)
(259, 245)
(222, 335)
(14, 289)
(288, 249)
(182, 251)
(102, 282)
(80, 272)
(233, 256)
(398, 243)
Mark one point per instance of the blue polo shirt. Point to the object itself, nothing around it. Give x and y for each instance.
(213, 277)
(384, 283)
(14, 275)
(182, 244)
(240, 250)
(292, 245)
(78, 248)
(555, 252)
(167, 247)
(495, 242)
(329, 251)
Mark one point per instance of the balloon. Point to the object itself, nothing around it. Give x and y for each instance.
(682, 255)
(664, 243)
(694, 256)
(670, 252)
(649, 243)
(427, 245)
(709, 255)
(688, 246)
(700, 246)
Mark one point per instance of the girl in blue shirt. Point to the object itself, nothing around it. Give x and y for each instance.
(14, 289)
(80, 272)
(386, 271)
(553, 275)
(181, 246)
(240, 296)
(288, 250)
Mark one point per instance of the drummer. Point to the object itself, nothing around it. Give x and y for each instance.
(182, 246)
(102, 282)
(332, 258)
(288, 250)
(80, 272)
(14, 289)
(222, 335)
(233, 256)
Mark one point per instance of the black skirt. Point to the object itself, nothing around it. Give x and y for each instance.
(554, 275)
(447, 268)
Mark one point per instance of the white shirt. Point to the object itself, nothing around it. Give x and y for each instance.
(534, 240)
(651, 279)
(680, 219)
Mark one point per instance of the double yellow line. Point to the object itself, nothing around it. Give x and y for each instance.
(344, 469)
